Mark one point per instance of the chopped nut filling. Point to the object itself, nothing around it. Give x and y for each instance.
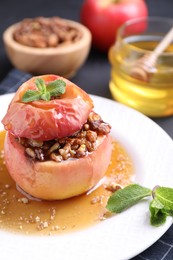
(41, 32)
(76, 146)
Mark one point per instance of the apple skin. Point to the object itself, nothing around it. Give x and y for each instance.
(104, 17)
(42, 120)
(50, 180)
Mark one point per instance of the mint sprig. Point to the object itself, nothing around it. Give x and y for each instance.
(44, 92)
(160, 207)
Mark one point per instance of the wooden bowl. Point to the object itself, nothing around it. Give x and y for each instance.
(62, 60)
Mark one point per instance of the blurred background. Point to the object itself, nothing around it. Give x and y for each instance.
(14, 11)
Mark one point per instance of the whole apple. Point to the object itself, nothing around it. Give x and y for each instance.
(104, 17)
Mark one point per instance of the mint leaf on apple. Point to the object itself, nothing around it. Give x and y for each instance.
(44, 92)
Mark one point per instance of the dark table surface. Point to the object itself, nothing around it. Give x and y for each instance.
(92, 77)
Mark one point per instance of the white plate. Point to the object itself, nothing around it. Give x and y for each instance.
(122, 236)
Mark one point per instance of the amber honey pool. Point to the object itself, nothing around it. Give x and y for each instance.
(21, 213)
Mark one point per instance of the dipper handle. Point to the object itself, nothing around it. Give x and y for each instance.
(142, 68)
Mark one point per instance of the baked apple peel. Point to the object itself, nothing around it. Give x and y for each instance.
(56, 147)
(59, 117)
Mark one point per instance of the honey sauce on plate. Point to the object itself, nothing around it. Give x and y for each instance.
(21, 213)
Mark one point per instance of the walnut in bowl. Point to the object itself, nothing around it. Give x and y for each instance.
(47, 45)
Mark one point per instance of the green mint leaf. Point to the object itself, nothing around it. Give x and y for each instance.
(157, 204)
(169, 212)
(157, 213)
(39, 82)
(165, 196)
(45, 96)
(56, 88)
(127, 197)
(31, 95)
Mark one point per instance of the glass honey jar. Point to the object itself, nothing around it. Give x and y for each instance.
(135, 39)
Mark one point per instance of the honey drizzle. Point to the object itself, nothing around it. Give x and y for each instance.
(19, 213)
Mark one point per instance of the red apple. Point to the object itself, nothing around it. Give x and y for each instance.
(104, 17)
(51, 180)
(42, 120)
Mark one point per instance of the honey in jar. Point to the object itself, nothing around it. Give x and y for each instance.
(134, 40)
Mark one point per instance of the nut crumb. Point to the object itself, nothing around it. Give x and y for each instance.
(64, 227)
(2, 154)
(43, 224)
(55, 228)
(112, 186)
(105, 215)
(37, 219)
(7, 186)
(23, 200)
(97, 199)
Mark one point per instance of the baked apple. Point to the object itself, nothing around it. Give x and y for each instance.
(56, 146)
(42, 120)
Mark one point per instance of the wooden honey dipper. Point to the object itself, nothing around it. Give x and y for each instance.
(142, 68)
